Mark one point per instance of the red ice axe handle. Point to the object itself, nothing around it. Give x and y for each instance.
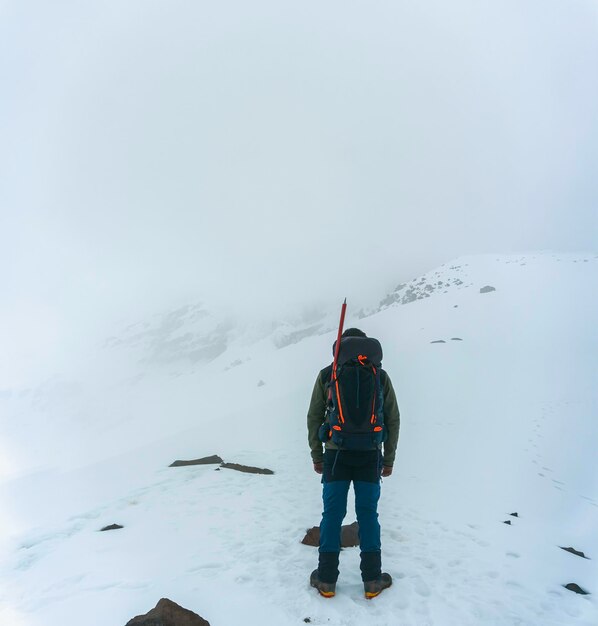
(338, 344)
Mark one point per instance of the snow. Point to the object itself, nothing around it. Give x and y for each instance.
(503, 421)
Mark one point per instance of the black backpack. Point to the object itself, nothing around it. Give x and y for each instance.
(354, 411)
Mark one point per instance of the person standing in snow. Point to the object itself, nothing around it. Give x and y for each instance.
(352, 456)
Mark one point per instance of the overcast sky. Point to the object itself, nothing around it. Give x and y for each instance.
(281, 152)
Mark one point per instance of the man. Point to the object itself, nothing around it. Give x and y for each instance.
(339, 464)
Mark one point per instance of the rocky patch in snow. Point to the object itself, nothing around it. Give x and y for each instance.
(215, 459)
(247, 468)
(577, 589)
(283, 339)
(574, 551)
(442, 281)
(234, 363)
(187, 335)
(111, 527)
(487, 289)
(168, 613)
(207, 460)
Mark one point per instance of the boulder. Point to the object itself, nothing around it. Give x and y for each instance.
(168, 613)
(577, 589)
(487, 289)
(575, 552)
(111, 527)
(312, 537)
(349, 536)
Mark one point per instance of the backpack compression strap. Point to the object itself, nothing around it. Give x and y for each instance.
(363, 361)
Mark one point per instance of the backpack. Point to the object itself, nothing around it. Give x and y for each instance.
(354, 412)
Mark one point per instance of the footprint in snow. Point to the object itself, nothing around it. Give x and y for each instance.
(422, 589)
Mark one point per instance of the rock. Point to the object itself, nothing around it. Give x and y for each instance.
(456, 339)
(507, 522)
(349, 536)
(307, 620)
(575, 587)
(261, 383)
(487, 289)
(235, 363)
(574, 551)
(111, 527)
(438, 341)
(514, 514)
(455, 306)
(312, 537)
(168, 613)
(246, 468)
(207, 460)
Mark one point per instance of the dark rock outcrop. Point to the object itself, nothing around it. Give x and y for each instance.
(456, 339)
(168, 613)
(111, 527)
(207, 460)
(574, 551)
(312, 537)
(508, 522)
(577, 589)
(349, 536)
(246, 468)
(487, 289)
(438, 341)
(514, 514)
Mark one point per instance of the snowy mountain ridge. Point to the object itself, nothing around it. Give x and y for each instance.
(193, 335)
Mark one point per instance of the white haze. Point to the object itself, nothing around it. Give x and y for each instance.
(273, 155)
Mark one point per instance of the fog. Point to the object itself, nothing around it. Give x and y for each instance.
(270, 155)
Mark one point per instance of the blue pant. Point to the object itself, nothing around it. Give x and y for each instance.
(340, 469)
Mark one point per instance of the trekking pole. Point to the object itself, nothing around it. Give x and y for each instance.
(338, 345)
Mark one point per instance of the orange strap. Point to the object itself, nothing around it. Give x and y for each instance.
(338, 398)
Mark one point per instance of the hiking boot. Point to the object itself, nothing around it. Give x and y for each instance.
(326, 589)
(374, 588)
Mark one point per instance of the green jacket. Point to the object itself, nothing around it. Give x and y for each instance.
(317, 411)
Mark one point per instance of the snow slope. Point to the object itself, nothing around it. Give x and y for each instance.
(500, 418)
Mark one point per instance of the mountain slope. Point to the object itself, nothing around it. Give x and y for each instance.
(498, 419)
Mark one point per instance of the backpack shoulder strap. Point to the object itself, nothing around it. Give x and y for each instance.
(326, 375)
